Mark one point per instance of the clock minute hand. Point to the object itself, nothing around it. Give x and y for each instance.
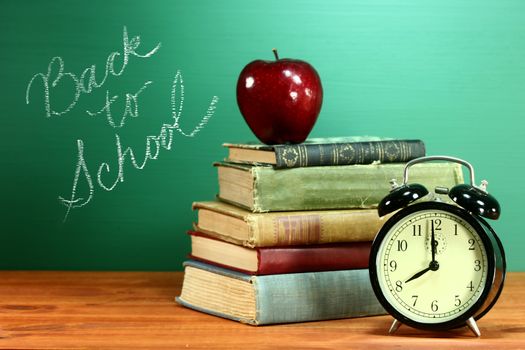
(433, 265)
(433, 241)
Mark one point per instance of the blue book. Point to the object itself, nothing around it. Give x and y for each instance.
(284, 298)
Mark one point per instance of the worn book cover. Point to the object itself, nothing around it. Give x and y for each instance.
(263, 188)
(286, 298)
(240, 226)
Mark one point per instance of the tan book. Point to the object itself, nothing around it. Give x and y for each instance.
(236, 225)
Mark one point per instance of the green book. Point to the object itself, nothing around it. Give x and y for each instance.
(263, 188)
(285, 298)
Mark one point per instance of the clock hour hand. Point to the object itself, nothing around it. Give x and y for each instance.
(433, 266)
(419, 274)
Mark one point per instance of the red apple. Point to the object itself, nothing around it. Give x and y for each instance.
(280, 100)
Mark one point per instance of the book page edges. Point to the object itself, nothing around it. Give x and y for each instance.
(237, 184)
(251, 156)
(209, 248)
(234, 211)
(252, 322)
(218, 291)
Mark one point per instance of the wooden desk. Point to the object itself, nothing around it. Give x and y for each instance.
(136, 310)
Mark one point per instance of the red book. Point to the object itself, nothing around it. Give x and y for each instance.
(282, 259)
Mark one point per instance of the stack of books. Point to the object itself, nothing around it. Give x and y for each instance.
(288, 239)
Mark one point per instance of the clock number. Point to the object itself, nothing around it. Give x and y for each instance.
(458, 301)
(399, 286)
(402, 245)
(477, 265)
(434, 306)
(470, 286)
(455, 229)
(393, 265)
(436, 224)
(416, 230)
(415, 299)
(471, 242)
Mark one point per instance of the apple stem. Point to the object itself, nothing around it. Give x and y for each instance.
(275, 54)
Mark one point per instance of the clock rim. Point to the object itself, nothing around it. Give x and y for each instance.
(502, 270)
(481, 230)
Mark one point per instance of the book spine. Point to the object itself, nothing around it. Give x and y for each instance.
(387, 151)
(312, 227)
(341, 187)
(314, 296)
(328, 257)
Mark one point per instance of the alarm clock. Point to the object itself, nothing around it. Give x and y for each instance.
(436, 264)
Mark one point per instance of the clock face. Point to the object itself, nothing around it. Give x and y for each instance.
(432, 266)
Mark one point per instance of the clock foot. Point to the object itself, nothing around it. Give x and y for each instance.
(471, 324)
(394, 327)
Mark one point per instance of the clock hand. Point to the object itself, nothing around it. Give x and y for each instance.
(433, 266)
(433, 241)
(419, 274)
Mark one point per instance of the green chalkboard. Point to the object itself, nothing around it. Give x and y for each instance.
(113, 111)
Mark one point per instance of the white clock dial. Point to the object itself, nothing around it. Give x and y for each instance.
(421, 290)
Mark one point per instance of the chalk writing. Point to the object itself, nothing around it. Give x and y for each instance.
(154, 143)
(177, 111)
(107, 176)
(87, 81)
(131, 109)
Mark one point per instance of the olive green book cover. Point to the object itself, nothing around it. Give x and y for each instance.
(263, 188)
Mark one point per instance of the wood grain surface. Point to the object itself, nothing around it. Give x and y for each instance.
(111, 310)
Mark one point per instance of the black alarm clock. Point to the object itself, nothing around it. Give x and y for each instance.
(436, 264)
